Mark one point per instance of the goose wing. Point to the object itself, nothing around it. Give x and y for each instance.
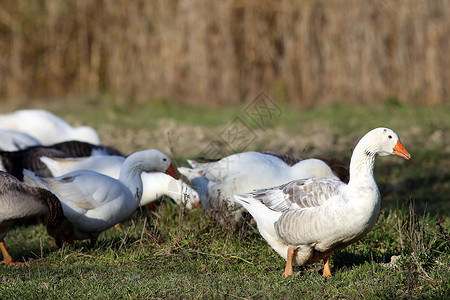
(19, 201)
(299, 194)
(86, 190)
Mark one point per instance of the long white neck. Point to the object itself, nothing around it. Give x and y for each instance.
(366, 197)
(362, 164)
(130, 175)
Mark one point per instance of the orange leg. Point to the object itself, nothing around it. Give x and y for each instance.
(288, 270)
(7, 259)
(326, 267)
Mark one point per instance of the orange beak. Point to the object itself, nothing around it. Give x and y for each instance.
(197, 204)
(171, 171)
(400, 150)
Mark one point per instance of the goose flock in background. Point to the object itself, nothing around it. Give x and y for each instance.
(94, 202)
(217, 181)
(46, 127)
(304, 208)
(156, 184)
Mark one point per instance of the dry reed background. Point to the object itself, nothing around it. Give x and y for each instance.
(225, 52)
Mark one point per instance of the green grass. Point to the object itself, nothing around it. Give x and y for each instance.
(342, 117)
(159, 260)
(175, 254)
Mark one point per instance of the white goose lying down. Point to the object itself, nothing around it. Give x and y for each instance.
(46, 127)
(94, 202)
(156, 184)
(306, 220)
(217, 182)
(12, 140)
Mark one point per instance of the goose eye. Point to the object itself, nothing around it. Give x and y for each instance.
(390, 136)
(164, 159)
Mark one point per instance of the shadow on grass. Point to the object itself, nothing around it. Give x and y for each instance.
(345, 259)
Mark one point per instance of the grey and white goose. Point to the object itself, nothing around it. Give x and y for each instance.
(19, 201)
(306, 220)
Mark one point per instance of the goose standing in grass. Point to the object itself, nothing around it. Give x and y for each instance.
(19, 201)
(156, 184)
(217, 181)
(46, 127)
(307, 220)
(94, 202)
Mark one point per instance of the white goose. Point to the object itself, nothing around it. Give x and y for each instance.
(94, 202)
(46, 127)
(12, 140)
(306, 220)
(217, 182)
(156, 184)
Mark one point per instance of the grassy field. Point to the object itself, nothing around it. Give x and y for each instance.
(173, 253)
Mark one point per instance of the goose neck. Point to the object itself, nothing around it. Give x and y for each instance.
(362, 164)
(130, 176)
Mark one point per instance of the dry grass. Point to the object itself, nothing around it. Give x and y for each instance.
(225, 52)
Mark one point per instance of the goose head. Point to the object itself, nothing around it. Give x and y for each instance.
(384, 141)
(61, 231)
(149, 161)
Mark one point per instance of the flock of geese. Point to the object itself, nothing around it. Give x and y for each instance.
(304, 209)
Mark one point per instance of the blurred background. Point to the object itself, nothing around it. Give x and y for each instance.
(217, 53)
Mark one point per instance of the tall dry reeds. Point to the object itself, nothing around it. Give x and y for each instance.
(223, 52)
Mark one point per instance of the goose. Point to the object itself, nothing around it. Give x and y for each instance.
(217, 181)
(29, 158)
(12, 140)
(339, 167)
(156, 184)
(94, 202)
(46, 127)
(83, 149)
(307, 220)
(14, 162)
(19, 201)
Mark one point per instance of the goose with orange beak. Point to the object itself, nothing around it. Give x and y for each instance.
(155, 184)
(94, 202)
(307, 220)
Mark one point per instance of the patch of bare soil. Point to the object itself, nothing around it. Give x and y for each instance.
(189, 141)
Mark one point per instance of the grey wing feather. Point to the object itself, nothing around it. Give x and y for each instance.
(298, 194)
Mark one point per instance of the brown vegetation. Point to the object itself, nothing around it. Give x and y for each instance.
(226, 51)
